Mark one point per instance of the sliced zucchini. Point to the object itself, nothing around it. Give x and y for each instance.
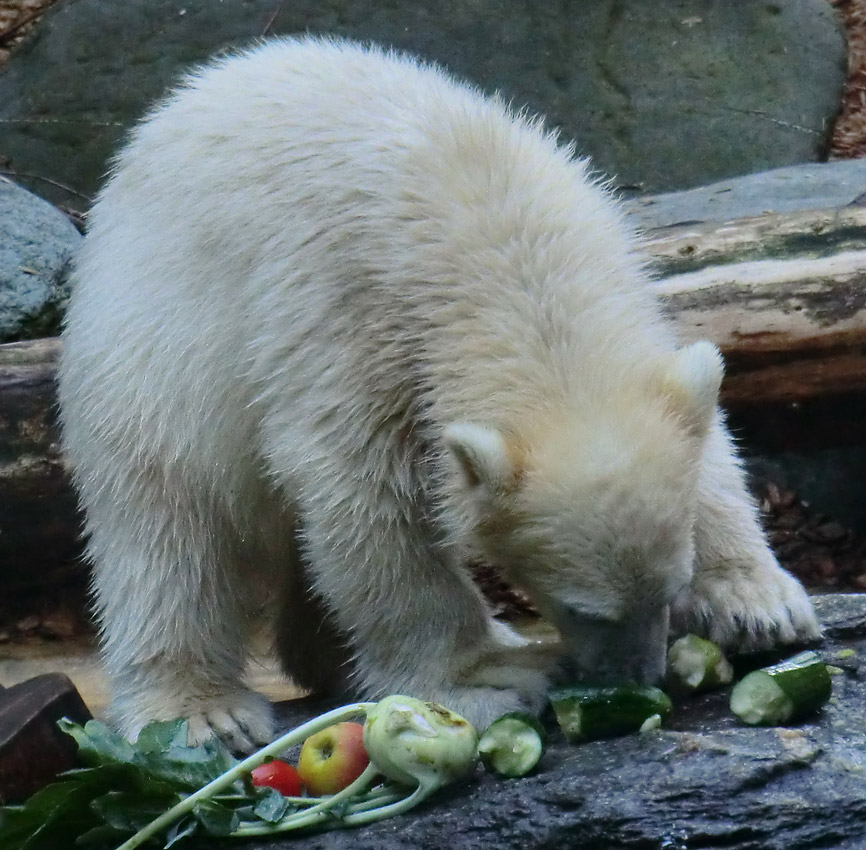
(695, 664)
(512, 745)
(782, 693)
(587, 712)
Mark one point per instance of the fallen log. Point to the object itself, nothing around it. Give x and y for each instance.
(784, 296)
(39, 523)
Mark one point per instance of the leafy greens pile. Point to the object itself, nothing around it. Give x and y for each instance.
(124, 787)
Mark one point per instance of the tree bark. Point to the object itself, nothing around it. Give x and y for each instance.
(39, 523)
(784, 297)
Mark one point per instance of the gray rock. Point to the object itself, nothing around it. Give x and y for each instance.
(812, 186)
(36, 244)
(705, 782)
(843, 615)
(663, 95)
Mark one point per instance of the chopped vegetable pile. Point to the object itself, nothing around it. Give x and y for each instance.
(161, 791)
(782, 693)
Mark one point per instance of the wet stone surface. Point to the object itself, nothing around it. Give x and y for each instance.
(703, 782)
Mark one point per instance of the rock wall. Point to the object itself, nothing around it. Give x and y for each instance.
(662, 95)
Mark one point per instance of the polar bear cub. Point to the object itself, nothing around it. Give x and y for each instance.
(341, 323)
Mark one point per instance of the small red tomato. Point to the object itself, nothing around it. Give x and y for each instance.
(278, 775)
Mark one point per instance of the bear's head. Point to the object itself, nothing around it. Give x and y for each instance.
(592, 512)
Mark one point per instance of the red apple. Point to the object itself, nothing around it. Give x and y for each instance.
(333, 758)
(278, 775)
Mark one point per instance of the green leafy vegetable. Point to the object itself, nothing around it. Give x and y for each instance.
(161, 752)
(75, 806)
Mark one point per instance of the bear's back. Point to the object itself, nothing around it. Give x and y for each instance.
(298, 227)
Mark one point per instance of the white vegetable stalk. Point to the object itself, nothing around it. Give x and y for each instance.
(411, 742)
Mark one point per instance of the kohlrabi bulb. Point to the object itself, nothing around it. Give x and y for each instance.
(419, 743)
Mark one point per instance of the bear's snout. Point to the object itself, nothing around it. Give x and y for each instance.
(632, 650)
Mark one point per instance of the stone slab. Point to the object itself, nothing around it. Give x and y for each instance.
(705, 782)
(795, 188)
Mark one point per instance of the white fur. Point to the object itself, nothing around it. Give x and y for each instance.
(310, 266)
(694, 380)
(481, 453)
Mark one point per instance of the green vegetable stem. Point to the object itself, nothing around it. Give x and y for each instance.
(412, 743)
(242, 768)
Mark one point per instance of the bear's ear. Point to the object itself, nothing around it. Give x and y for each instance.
(692, 382)
(481, 453)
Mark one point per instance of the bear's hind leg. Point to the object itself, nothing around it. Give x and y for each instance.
(739, 596)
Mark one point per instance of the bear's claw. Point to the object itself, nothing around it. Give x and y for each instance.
(747, 611)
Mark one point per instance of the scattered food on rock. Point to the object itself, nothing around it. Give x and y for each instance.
(696, 664)
(588, 712)
(512, 745)
(782, 693)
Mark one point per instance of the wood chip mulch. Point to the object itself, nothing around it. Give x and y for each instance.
(849, 132)
(17, 19)
(822, 553)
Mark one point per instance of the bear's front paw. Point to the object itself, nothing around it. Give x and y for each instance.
(242, 719)
(481, 706)
(746, 610)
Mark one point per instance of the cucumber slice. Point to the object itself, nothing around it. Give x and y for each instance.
(653, 722)
(695, 664)
(512, 745)
(782, 693)
(587, 712)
